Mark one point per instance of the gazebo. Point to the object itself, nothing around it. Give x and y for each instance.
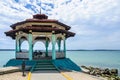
(40, 28)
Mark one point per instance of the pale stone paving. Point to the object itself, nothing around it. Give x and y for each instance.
(47, 75)
(13, 76)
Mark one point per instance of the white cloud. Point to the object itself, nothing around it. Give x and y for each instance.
(87, 10)
(83, 30)
(2, 39)
(114, 37)
(93, 21)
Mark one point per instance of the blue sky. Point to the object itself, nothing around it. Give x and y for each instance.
(95, 22)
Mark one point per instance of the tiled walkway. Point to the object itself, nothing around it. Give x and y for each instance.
(47, 75)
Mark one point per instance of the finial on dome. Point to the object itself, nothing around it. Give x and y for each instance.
(40, 16)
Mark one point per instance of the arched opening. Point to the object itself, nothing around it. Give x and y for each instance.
(50, 46)
(59, 39)
(61, 53)
(23, 38)
(24, 46)
(39, 50)
(62, 45)
(39, 45)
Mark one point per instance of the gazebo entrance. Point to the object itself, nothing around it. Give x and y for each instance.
(39, 51)
(40, 28)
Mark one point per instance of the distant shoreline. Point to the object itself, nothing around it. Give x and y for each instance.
(95, 50)
(71, 50)
(7, 49)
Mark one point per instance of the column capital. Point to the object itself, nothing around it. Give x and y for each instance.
(16, 33)
(53, 32)
(30, 31)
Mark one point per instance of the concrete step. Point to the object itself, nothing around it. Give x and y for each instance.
(53, 68)
(44, 66)
(43, 63)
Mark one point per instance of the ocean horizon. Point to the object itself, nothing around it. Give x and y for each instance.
(74, 50)
(96, 58)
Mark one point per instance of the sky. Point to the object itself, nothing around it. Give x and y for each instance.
(95, 22)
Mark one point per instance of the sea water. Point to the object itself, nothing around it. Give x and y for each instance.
(102, 59)
(5, 56)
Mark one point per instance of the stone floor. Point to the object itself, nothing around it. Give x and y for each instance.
(47, 75)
